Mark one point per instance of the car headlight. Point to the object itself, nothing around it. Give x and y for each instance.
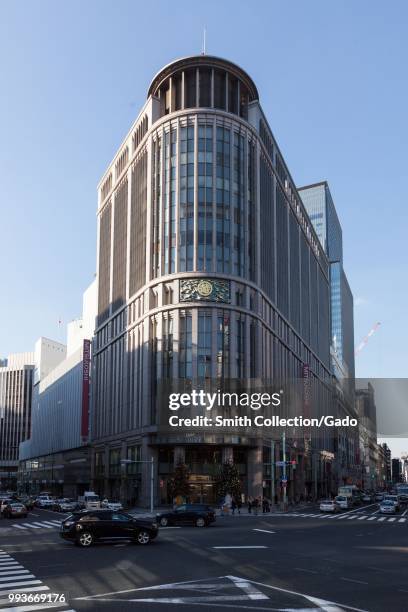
(69, 523)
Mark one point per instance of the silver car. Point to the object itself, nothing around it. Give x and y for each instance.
(329, 505)
(387, 507)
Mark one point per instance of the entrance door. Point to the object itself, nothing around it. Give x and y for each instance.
(202, 493)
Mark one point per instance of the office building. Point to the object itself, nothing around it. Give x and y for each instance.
(16, 383)
(208, 268)
(56, 457)
(319, 204)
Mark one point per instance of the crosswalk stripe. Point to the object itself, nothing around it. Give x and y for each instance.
(381, 519)
(52, 523)
(19, 584)
(361, 518)
(391, 520)
(402, 520)
(25, 590)
(17, 578)
(19, 527)
(29, 608)
(42, 525)
(14, 572)
(31, 525)
(372, 518)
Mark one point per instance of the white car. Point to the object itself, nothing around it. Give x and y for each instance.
(111, 505)
(329, 505)
(387, 507)
(394, 499)
(343, 502)
(5, 501)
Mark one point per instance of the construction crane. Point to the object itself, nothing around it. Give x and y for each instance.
(366, 338)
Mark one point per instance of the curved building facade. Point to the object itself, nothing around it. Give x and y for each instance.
(208, 268)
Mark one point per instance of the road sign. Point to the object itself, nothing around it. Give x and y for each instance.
(280, 463)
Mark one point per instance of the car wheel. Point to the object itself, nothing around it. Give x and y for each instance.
(143, 537)
(200, 522)
(85, 539)
(164, 521)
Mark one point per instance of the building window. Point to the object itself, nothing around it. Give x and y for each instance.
(223, 344)
(114, 462)
(240, 347)
(204, 344)
(223, 201)
(168, 347)
(186, 206)
(185, 346)
(134, 454)
(205, 197)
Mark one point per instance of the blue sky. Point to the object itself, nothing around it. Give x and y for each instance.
(332, 81)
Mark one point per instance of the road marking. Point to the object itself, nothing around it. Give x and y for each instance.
(264, 530)
(29, 608)
(222, 547)
(43, 525)
(25, 590)
(52, 523)
(402, 520)
(169, 528)
(372, 518)
(14, 572)
(404, 513)
(18, 584)
(22, 577)
(391, 520)
(352, 580)
(248, 586)
(302, 569)
(382, 519)
(19, 526)
(361, 518)
(31, 525)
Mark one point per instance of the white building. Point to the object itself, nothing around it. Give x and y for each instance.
(56, 454)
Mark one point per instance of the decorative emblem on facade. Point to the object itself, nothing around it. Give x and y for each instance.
(196, 289)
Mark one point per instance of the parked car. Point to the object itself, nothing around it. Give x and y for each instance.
(188, 514)
(394, 499)
(329, 505)
(88, 526)
(366, 497)
(14, 510)
(111, 505)
(387, 507)
(343, 502)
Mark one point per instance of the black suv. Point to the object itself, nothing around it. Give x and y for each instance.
(88, 526)
(199, 515)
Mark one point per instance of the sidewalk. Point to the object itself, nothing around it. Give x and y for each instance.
(219, 513)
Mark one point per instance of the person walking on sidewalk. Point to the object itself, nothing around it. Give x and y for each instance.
(233, 505)
(256, 505)
(239, 505)
(250, 502)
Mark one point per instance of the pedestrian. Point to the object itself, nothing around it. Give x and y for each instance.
(255, 505)
(264, 505)
(239, 505)
(249, 505)
(233, 505)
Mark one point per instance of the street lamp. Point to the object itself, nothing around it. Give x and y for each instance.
(129, 461)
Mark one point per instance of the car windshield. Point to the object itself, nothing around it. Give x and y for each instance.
(326, 501)
(388, 503)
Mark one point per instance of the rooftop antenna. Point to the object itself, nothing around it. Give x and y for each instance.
(204, 37)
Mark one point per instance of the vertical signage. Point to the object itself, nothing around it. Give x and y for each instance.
(86, 365)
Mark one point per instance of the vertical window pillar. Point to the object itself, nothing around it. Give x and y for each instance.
(212, 88)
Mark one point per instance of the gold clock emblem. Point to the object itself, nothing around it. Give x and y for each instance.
(204, 288)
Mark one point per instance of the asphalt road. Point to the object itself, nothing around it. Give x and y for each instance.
(273, 562)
